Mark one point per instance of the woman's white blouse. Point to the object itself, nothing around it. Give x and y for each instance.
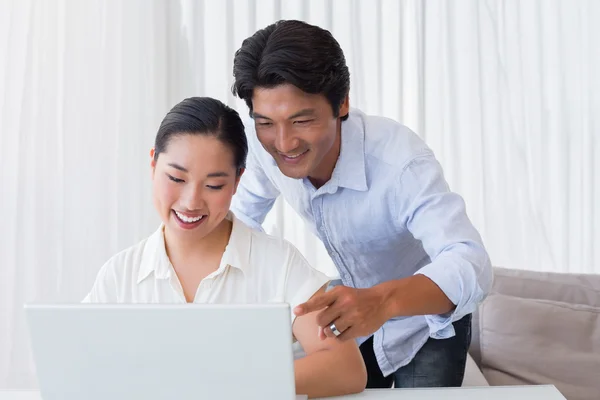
(255, 268)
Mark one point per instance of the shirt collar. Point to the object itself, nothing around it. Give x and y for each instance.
(349, 171)
(237, 252)
(155, 259)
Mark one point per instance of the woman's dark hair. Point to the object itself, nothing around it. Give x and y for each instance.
(293, 52)
(204, 116)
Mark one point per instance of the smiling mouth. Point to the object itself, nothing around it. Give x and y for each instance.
(292, 157)
(187, 219)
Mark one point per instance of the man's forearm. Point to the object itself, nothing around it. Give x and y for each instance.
(414, 295)
(332, 372)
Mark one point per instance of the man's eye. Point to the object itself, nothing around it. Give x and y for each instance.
(304, 121)
(215, 187)
(175, 179)
(264, 123)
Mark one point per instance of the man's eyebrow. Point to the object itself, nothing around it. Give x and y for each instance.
(303, 113)
(257, 115)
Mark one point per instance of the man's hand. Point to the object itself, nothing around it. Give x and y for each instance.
(361, 312)
(355, 312)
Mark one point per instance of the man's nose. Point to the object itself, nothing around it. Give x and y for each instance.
(285, 142)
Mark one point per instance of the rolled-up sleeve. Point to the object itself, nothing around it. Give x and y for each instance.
(437, 217)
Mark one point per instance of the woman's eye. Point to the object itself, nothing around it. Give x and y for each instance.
(215, 187)
(175, 179)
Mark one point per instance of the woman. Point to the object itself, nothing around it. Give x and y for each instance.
(202, 254)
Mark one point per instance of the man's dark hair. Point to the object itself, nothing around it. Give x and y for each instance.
(296, 53)
(204, 116)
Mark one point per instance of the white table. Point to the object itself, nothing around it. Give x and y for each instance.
(543, 392)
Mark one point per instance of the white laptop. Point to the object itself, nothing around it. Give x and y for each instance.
(152, 352)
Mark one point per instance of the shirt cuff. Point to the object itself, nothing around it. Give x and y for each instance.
(460, 285)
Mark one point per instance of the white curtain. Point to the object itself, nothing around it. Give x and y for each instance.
(507, 93)
(82, 90)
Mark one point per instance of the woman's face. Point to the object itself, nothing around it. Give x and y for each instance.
(194, 180)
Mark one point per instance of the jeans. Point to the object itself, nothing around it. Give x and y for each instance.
(439, 363)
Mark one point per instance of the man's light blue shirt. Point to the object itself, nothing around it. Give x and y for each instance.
(386, 213)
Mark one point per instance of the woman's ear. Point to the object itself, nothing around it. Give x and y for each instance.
(152, 162)
(237, 179)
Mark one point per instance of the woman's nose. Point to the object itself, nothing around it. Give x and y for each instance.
(193, 199)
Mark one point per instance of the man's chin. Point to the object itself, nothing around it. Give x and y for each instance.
(293, 172)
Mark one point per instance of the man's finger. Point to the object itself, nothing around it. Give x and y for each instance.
(348, 334)
(328, 315)
(316, 303)
(340, 325)
(328, 333)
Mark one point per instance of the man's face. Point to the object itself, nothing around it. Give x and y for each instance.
(298, 129)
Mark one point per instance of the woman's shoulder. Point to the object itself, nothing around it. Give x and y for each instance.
(129, 260)
(282, 267)
(121, 272)
(274, 254)
(263, 252)
(264, 244)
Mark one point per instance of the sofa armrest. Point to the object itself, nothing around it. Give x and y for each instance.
(473, 375)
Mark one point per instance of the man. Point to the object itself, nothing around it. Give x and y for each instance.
(412, 265)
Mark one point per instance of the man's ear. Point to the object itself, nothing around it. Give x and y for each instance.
(237, 179)
(152, 162)
(345, 107)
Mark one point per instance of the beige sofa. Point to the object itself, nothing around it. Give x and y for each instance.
(538, 328)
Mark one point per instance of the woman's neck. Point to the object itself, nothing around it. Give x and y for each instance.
(194, 260)
(196, 251)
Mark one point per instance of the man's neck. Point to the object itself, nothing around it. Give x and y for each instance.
(324, 171)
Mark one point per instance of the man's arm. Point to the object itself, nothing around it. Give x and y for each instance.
(331, 367)
(460, 268)
(255, 194)
(414, 295)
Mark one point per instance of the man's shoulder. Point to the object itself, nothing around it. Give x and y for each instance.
(255, 150)
(250, 131)
(388, 141)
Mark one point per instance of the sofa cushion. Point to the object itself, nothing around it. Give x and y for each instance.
(562, 287)
(531, 341)
(567, 288)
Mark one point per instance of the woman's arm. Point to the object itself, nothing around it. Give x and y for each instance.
(330, 368)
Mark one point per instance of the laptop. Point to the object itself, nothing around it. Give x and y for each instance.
(152, 352)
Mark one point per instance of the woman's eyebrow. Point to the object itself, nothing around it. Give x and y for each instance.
(217, 175)
(177, 166)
